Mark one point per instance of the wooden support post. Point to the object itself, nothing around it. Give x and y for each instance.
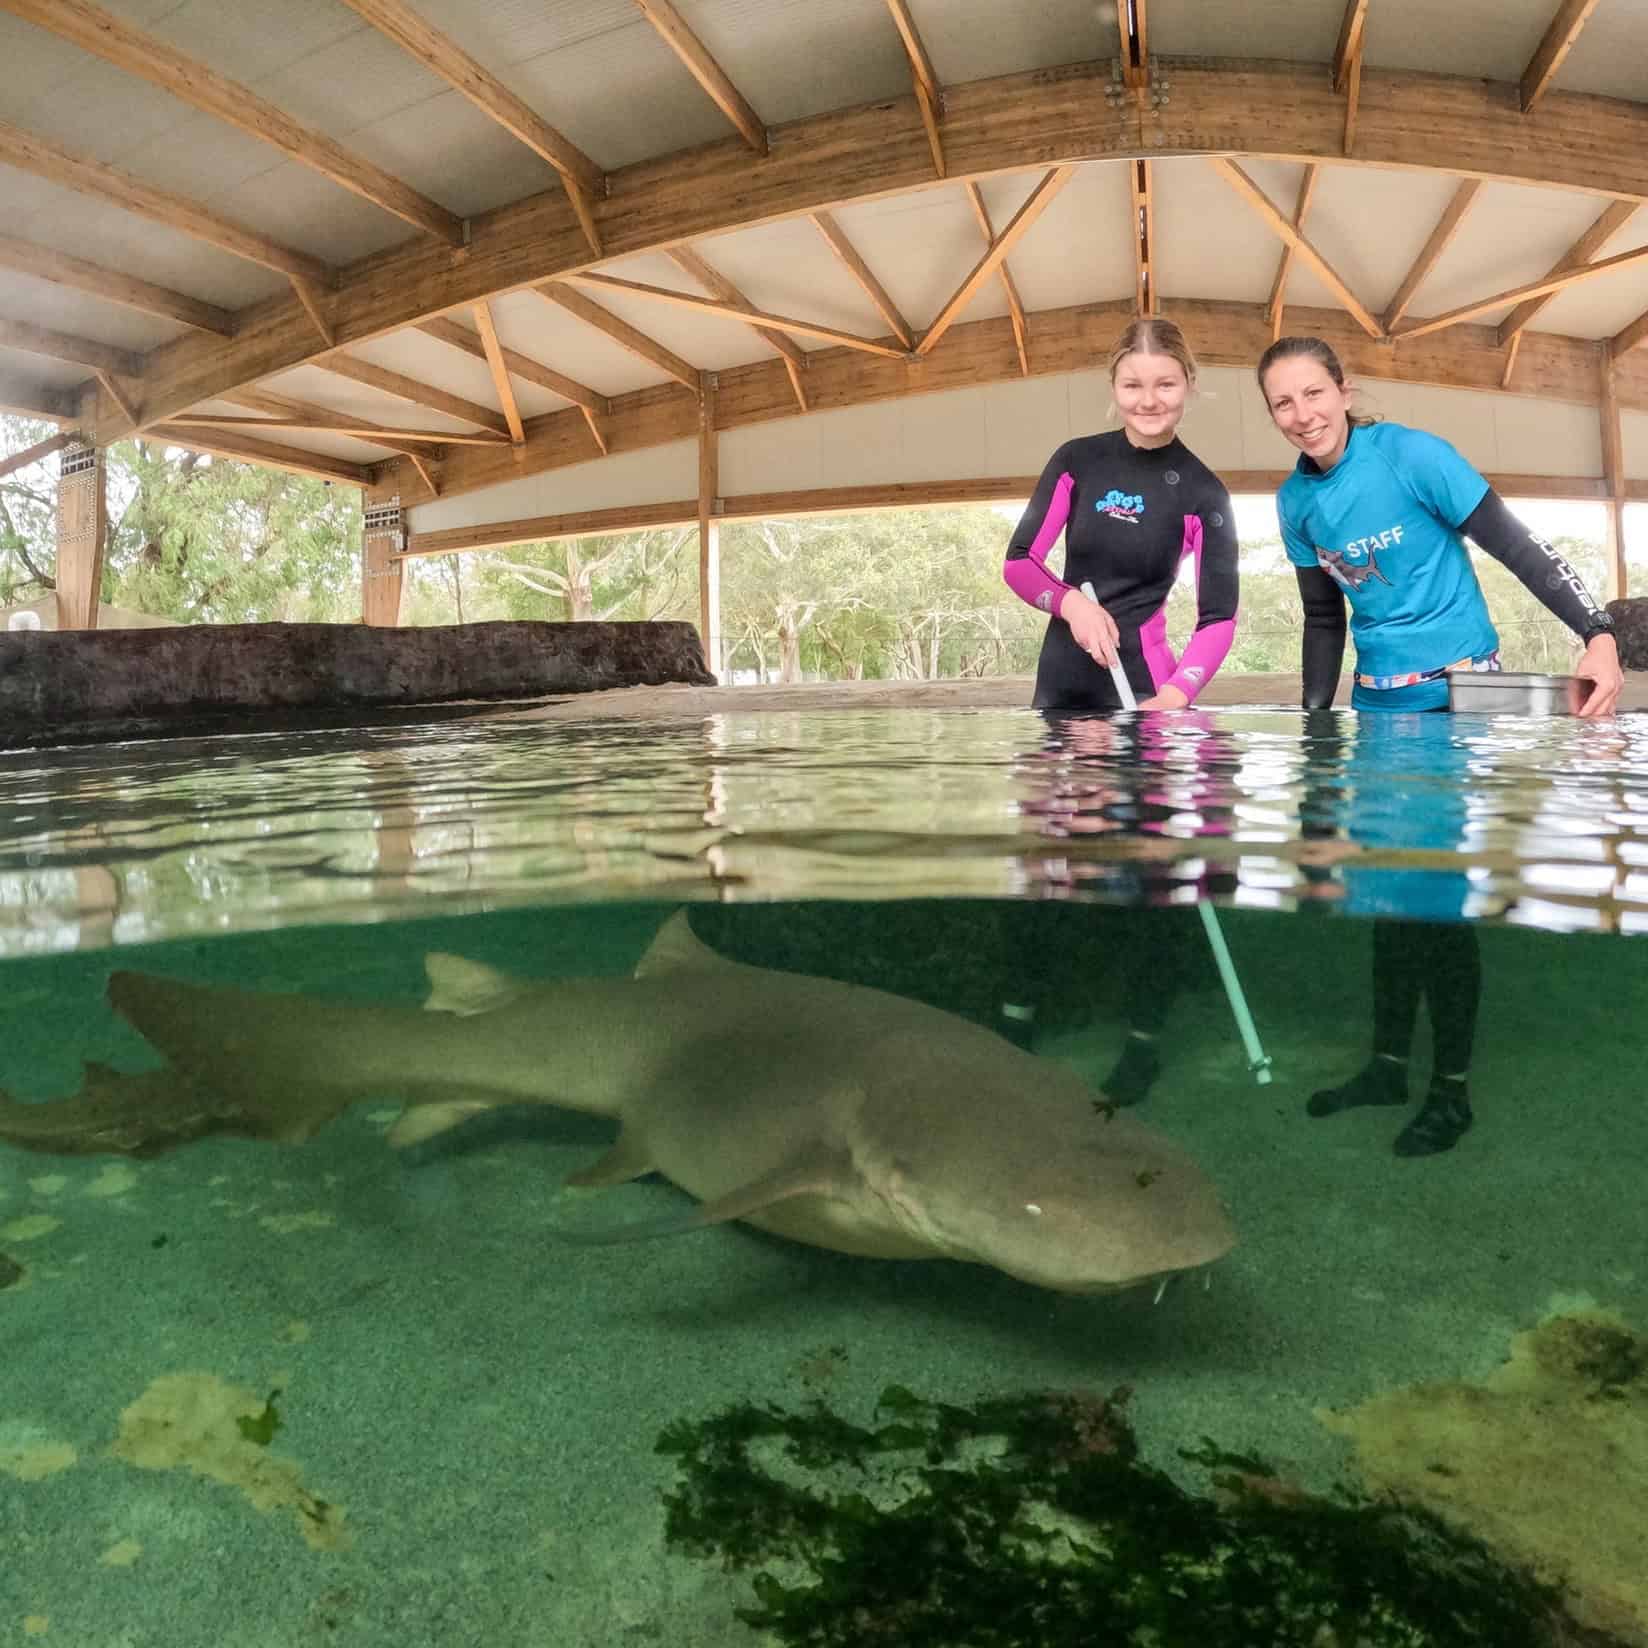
(82, 529)
(383, 537)
(1613, 472)
(709, 526)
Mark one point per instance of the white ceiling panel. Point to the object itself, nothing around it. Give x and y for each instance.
(549, 334)
(1512, 236)
(415, 356)
(621, 95)
(316, 388)
(1490, 39)
(920, 247)
(704, 341)
(970, 41)
(45, 303)
(1198, 213)
(787, 268)
(1601, 306)
(1608, 59)
(1370, 225)
(1301, 30)
(791, 58)
(39, 371)
(1081, 250)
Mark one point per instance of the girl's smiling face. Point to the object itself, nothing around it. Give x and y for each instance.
(1150, 393)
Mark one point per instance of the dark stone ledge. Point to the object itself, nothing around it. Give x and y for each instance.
(79, 686)
(1630, 618)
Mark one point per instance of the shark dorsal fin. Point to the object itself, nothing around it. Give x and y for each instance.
(674, 949)
(458, 985)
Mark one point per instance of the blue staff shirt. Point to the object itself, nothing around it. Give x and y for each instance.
(1383, 523)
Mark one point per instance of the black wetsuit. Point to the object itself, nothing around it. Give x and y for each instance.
(1130, 516)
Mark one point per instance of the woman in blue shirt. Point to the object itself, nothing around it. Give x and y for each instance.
(1376, 515)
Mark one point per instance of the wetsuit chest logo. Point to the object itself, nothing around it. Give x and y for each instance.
(1121, 506)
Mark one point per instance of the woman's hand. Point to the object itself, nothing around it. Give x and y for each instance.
(1093, 628)
(1600, 666)
(1169, 698)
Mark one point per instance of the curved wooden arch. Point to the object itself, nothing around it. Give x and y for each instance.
(1045, 118)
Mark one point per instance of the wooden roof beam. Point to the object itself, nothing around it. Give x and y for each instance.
(404, 388)
(33, 454)
(1426, 122)
(1447, 227)
(148, 56)
(500, 372)
(705, 70)
(718, 286)
(743, 312)
(448, 331)
(1612, 218)
(835, 238)
(621, 332)
(1627, 338)
(1277, 306)
(24, 257)
(1143, 225)
(1135, 47)
(1041, 197)
(321, 422)
(65, 346)
(929, 98)
(1551, 283)
(1285, 231)
(442, 56)
(91, 177)
(1015, 305)
(1571, 16)
(1346, 54)
(271, 454)
(308, 415)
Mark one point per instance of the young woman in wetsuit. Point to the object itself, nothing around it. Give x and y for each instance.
(1133, 504)
(1376, 515)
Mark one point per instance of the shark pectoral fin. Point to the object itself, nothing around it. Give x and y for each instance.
(428, 1121)
(814, 1176)
(458, 985)
(674, 949)
(628, 1159)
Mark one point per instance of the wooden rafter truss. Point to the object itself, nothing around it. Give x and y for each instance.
(443, 283)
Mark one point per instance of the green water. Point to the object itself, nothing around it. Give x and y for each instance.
(451, 1418)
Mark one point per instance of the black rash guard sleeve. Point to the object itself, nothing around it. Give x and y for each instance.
(1323, 651)
(1537, 564)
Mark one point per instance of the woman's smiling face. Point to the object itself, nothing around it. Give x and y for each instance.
(1309, 408)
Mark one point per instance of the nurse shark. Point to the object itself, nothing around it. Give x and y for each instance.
(826, 1113)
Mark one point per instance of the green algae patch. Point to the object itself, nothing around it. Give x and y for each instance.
(1546, 1459)
(1030, 1521)
(195, 1422)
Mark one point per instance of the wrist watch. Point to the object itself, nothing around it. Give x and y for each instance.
(1600, 624)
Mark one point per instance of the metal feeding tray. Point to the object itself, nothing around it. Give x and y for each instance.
(1510, 692)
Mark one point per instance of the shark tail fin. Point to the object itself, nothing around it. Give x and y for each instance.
(675, 948)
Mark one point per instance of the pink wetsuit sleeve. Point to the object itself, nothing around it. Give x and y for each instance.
(1025, 569)
(1206, 649)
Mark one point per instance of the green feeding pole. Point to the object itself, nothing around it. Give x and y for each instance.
(1258, 1061)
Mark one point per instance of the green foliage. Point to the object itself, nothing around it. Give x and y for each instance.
(1029, 1521)
(195, 538)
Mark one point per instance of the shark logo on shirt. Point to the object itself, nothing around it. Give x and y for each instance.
(1349, 574)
